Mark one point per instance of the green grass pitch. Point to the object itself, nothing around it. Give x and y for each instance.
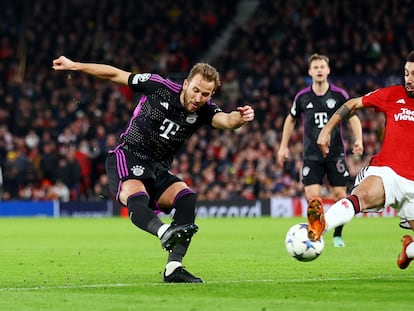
(108, 264)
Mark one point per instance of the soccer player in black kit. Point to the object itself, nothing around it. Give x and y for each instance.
(167, 114)
(316, 104)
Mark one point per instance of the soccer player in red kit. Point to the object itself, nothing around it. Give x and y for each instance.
(389, 178)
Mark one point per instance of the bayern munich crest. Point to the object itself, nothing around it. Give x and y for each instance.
(331, 103)
(137, 170)
(191, 118)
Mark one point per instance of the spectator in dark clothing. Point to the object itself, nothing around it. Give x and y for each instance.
(69, 172)
(49, 160)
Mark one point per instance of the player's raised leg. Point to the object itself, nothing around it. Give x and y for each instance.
(316, 219)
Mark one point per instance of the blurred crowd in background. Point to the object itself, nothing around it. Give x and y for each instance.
(55, 128)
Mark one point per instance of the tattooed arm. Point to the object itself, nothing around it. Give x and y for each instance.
(343, 112)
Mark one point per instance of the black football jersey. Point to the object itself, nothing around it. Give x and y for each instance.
(315, 112)
(159, 125)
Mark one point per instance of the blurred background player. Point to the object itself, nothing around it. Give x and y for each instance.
(389, 178)
(167, 114)
(316, 104)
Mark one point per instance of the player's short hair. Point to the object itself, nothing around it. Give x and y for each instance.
(208, 72)
(410, 57)
(316, 56)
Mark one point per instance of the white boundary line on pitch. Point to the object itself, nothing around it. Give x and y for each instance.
(287, 281)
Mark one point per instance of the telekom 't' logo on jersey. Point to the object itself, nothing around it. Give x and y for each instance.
(321, 118)
(169, 128)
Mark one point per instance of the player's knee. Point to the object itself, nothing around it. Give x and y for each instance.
(130, 188)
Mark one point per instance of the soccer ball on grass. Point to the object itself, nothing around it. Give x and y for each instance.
(299, 246)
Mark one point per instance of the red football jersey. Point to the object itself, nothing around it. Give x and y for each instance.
(397, 150)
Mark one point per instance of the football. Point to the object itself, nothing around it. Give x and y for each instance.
(299, 246)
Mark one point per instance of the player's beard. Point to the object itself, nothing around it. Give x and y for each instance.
(410, 94)
(409, 89)
(187, 104)
(185, 101)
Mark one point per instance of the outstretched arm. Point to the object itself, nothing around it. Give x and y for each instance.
(343, 112)
(101, 71)
(234, 119)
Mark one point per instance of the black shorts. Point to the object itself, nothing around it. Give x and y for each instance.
(336, 171)
(122, 165)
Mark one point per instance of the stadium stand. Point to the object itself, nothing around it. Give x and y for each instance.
(55, 129)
